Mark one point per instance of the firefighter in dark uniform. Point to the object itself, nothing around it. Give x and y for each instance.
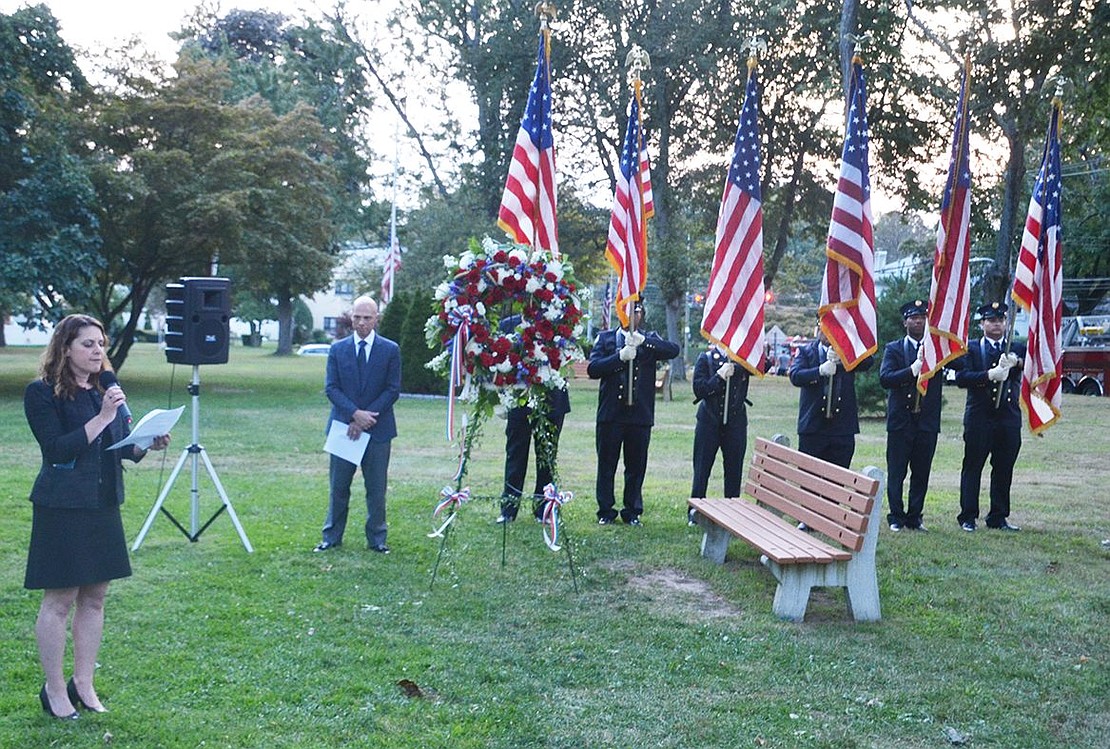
(828, 435)
(912, 420)
(519, 434)
(992, 422)
(624, 425)
(714, 373)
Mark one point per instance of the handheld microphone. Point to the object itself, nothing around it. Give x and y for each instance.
(109, 380)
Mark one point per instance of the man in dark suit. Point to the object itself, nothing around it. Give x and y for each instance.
(912, 420)
(519, 434)
(992, 420)
(714, 374)
(363, 382)
(625, 412)
(828, 435)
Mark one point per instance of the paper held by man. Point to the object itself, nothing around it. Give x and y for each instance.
(156, 423)
(342, 446)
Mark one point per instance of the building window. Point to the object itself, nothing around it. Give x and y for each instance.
(344, 288)
(329, 324)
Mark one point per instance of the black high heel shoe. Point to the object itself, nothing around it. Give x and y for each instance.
(50, 711)
(75, 698)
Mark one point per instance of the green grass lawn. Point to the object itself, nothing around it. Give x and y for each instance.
(1001, 637)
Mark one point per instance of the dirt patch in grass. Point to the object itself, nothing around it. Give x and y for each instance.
(686, 596)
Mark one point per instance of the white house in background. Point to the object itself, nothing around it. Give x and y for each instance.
(326, 306)
(16, 335)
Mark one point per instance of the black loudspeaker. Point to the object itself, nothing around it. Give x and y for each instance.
(197, 313)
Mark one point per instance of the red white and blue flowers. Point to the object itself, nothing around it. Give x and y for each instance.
(485, 285)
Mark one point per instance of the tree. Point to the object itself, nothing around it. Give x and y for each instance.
(1023, 46)
(282, 189)
(48, 236)
(185, 179)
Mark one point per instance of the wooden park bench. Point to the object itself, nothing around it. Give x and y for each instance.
(841, 508)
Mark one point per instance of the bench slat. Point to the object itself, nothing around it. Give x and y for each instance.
(831, 528)
(843, 476)
(825, 487)
(767, 532)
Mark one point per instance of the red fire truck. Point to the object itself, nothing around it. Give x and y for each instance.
(1086, 359)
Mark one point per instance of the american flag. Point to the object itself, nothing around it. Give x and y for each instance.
(733, 315)
(950, 292)
(1038, 287)
(527, 212)
(607, 306)
(847, 309)
(626, 249)
(392, 258)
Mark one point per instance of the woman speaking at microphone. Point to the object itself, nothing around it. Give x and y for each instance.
(76, 411)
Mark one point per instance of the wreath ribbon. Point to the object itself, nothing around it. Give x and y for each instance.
(553, 499)
(449, 499)
(457, 376)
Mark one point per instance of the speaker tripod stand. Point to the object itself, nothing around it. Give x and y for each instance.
(194, 453)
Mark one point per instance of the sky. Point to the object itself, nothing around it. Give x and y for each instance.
(88, 25)
(91, 25)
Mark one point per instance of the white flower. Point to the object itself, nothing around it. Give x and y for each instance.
(553, 313)
(480, 308)
(533, 285)
(556, 267)
(519, 254)
(442, 290)
(450, 262)
(503, 366)
(439, 362)
(489, 246)
(466, 260)
(507, 400)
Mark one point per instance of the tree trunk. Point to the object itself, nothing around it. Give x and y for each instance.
(285, 325)
(997, 281)
(848, 25)
(675, 332)
(121, 346)
(782, 234)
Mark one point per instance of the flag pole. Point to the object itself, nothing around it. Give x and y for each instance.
(546, 13)
(637, 62)
(957, 165)
(754, 44)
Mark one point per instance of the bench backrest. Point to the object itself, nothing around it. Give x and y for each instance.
(832, 500)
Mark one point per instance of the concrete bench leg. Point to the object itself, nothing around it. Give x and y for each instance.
(792, 593)
(863, 593)
(714, 543)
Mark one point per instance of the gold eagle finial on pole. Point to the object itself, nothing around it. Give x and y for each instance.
(637, 61)
(546, 13)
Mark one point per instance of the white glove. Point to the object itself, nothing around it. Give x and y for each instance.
(635, 338)
(997, 374)
(627, 353)
(726, 370)
(832, 356)
(1008, 360)
(828, 368)
(915, 368)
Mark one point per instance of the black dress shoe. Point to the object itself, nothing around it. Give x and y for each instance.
(50, 711)
(324, 546)
(75, 698)
(383, 549)
(1004, 527)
